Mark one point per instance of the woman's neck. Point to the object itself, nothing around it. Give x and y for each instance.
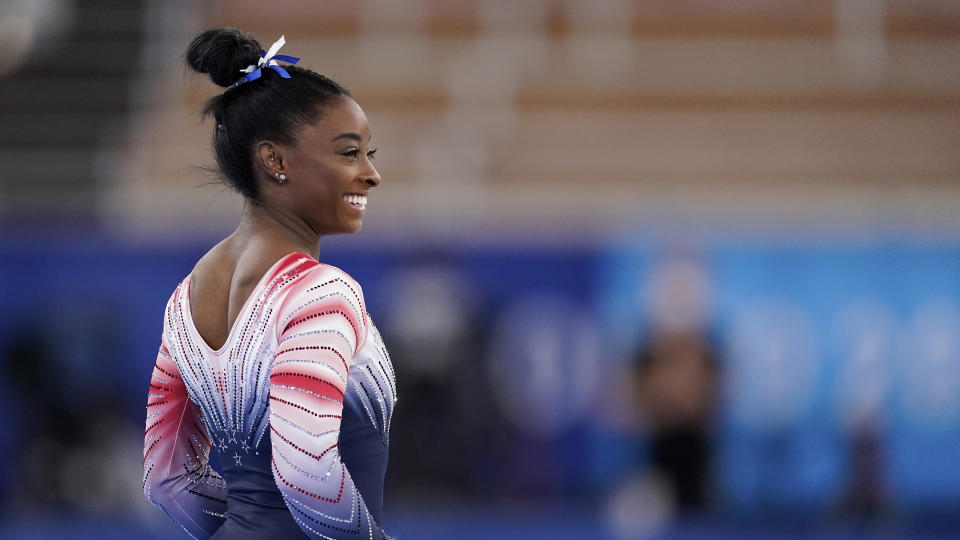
(260, 223)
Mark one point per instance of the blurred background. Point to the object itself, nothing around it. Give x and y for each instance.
(647, 268)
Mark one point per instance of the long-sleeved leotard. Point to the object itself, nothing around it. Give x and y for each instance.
(176, 447)
(324, 323)
(302, 347)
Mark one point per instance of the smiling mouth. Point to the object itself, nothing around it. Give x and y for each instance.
(356, 200)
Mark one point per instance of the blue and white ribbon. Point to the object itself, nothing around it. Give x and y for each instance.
(268, 59)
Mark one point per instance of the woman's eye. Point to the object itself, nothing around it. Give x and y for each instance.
(355, 153)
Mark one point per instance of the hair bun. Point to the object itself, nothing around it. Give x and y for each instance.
(222, 53)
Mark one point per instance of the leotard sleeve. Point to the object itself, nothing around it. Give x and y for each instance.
(177, 476)
(321, 325)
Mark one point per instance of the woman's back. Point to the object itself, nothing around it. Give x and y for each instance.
(223, 280)
(297, 399)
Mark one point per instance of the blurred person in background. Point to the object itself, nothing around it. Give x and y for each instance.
(268, 355)
(675, 376)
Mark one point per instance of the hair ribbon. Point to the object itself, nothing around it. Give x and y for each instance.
(268, 59)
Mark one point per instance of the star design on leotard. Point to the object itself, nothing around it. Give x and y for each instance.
(245, 446)
(236, 458)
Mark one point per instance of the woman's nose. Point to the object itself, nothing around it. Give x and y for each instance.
(372, 179)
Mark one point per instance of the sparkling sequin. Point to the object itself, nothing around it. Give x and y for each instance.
(301, 341)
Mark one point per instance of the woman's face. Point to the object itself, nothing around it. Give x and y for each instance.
(329, 170)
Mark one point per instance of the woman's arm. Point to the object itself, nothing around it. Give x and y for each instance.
(176, 447)
(322, 326)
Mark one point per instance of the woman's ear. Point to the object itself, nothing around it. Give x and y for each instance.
(270, 159)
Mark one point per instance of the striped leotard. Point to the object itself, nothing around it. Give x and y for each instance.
(298, 403)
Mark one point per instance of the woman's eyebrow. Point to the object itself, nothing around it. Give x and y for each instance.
(353, 136)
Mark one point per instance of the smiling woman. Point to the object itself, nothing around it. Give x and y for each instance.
(267, 355)
(331, 161)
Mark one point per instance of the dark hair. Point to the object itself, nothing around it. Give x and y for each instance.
(270, 107)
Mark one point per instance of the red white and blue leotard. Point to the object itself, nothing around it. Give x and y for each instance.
(298, 402)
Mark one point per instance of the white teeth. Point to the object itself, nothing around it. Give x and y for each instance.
(356, 200)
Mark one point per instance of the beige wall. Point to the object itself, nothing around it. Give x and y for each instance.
(596, 116)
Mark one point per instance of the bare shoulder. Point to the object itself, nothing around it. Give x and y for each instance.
(210, 294)
(212, 262)
(211, 272)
